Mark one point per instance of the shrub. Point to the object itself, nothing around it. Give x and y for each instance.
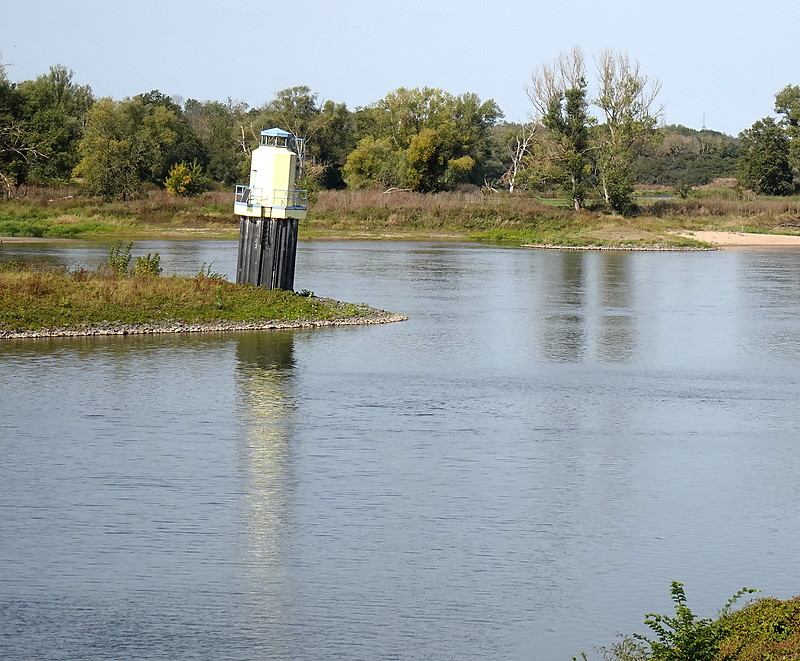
(685, 637)
(119, 258)
(148, 265)
(764, 629)
(186, 180)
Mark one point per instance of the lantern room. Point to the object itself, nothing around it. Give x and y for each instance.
(273, 170)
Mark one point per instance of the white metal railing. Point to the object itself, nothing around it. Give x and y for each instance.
(290, 199)
(281, 198)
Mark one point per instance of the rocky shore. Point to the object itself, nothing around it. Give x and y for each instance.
(373, 316)
(547, 246)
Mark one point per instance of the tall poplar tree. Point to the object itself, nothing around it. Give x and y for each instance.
(627, 100)
(559, 96)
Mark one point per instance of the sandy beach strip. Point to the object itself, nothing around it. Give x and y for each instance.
(744, 239)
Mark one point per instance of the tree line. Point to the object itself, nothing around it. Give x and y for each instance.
(592, 145)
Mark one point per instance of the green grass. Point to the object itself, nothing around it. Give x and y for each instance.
(53, 228)
(37, 300)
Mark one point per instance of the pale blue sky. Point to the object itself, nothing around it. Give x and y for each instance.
(722, 58)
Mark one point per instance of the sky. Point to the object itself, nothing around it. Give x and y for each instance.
(719, 62)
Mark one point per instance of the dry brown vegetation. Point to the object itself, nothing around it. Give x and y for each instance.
(490, 216)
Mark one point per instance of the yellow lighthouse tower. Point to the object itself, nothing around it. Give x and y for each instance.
(269, 209)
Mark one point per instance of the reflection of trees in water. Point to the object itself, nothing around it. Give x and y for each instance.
(265, 363)
(616, 340)
(587, 306)
(563, 333)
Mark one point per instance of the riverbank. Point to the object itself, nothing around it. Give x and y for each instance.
(57, 303)
(497, 217)
(371, 316)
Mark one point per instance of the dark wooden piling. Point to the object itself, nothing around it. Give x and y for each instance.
(267, 252)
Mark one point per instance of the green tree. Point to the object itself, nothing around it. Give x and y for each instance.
(684, 158)
(221, 129)
(123, 146)
(572, 147)
(332, 141)
(186, 147)
(559, 96)
(426, 162)
(293, 109)
(787, 103)
(444, 139)
(16, 145)
(327, 129)
(55, 110)
(626, 98)
(373, 164)
(685, 637)
(763, 164)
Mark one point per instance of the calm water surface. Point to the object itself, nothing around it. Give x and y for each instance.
(517, 472)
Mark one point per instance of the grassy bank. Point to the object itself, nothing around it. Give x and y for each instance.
(33, 300)
(63, 213)
(763, 630)
(498, 217)
(523, 219)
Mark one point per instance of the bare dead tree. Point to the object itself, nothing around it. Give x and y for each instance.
(14, 142)
(519, 146)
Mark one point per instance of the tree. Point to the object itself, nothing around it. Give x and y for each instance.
(327, 130)
(684, 158)
(558, 93)
(764, 165)
(787, 103)
(444, 140)
(572, 147)
(518, 141)
(426, 162)
(55, 110)
(123, 146)
(333, 139)
(17, 146)
(373, 164)
(626, 98)
(220, 128)
(186, 147)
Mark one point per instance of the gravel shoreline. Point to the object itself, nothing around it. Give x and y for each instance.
(547, 246)
(373, 317)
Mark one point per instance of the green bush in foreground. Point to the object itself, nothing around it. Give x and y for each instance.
(766, 629)
(686, 637)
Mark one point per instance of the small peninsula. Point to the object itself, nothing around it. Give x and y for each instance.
(71, 303)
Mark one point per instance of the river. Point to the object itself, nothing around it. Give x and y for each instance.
(516, 472)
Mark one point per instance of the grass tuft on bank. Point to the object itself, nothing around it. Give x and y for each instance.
(37, 299)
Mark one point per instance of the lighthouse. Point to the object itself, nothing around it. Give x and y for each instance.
(269, 209)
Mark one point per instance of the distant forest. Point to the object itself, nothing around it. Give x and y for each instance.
(54, 131)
